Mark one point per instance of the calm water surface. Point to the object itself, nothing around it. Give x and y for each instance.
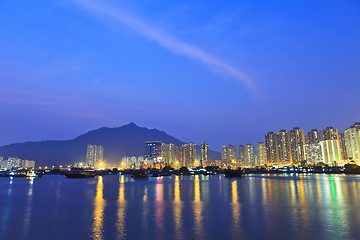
(190, 207)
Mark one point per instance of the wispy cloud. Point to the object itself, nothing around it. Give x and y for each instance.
(164, 39)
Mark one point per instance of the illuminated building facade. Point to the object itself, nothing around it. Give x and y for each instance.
(168, 153)
(241, 156)
(249, 155)
(179, 156)
(297, 141)
(204, 154)
(261, 154)
(271, 148)
(330, 133)
(313, 147)
(352, 142)
(189, 154)
(228, 154)
(94, 156)
(125, 162)
(152, 151)
(343, 146)
(314, 136)
(331, 151)
(171, 159)
(331, 146)
(27, 164)
(15, 163)
(313, 153)
(284, 147)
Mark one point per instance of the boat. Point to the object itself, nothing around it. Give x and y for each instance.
(21, 173)
(140, 174)
(165, 174)
(33, 174)
(208, 173)
(229, 173)
(17, 174)
(80, 173)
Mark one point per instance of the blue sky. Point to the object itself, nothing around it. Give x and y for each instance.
(224, 72)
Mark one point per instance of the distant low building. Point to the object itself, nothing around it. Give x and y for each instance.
(15, 163)
(27, 164)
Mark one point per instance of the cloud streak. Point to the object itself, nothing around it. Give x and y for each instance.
(164, 39)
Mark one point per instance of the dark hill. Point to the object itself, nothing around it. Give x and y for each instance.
(127, 140)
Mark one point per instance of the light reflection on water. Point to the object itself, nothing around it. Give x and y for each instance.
(235, 207)
(159, 206)
(98, 214)
(177, 210)
(27, 214)
(181, 207)
(6, 210)
(121, 214)
(198, 207)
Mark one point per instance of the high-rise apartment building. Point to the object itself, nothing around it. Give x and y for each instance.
(313, 147)
(168, 153)
(313, 153)
(190, 158)
(331, 151)
(171, 159)
(271, 148)
(297, 141)
(241, 156)
(284, 147)
(94, 156)
(152, 151)
(314, 136)
(331, 146)
(204, 154)
(228, 154)
(352, 142)
(343, 146)
(330, 133)
(179, 156)
(261, 154)
(250, 155)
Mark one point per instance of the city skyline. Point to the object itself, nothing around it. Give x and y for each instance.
(284, 148)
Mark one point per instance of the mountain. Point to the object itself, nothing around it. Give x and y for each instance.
(127, 140)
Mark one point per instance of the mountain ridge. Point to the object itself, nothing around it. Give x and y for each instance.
(126, 140)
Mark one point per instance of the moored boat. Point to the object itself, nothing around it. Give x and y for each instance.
(80, 173)
(34, 174)
(23, 173)
(229, 173)
(140, 174)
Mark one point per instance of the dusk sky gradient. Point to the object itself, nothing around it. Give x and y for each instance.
(224, 72)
